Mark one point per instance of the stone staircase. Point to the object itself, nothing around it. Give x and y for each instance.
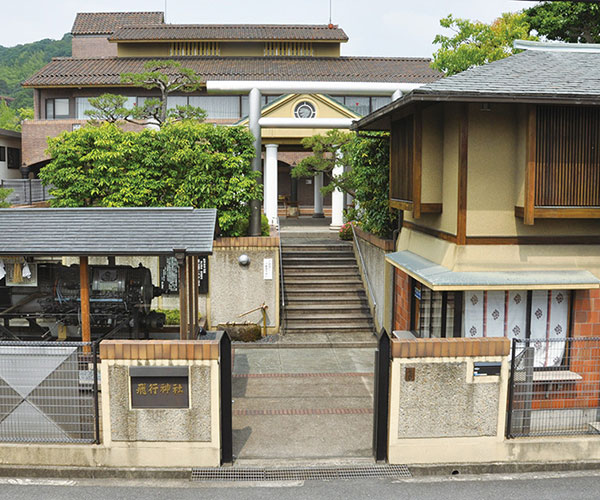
(323, 290)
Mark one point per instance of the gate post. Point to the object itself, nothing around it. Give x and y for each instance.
(381, 401)
(226, 405)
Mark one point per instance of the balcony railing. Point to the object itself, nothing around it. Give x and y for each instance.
(25, 191)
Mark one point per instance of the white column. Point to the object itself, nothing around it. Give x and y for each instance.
(337, 202)
(271, 183)
(318, 202)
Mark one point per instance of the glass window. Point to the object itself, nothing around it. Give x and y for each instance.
(359, 104)
(217, 106)
(82, 105)
(245, 105)
(176, 100)
(13, 158)
(57, 109)
(2, 153)
(379, 102)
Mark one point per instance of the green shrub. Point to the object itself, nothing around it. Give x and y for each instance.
(172, 316)
(3, 195)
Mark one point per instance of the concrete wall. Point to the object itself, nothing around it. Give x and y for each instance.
(374, 258)
(236, 289)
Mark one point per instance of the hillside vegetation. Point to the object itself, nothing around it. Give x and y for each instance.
(20, 62)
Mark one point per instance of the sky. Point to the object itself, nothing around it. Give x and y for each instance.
(375, 27)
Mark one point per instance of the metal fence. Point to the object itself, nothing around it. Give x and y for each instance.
(554, 387)
(25, 191)
(49, 392)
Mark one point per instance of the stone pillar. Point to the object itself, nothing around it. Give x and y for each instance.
(337, 202)
(271, 183)
(254, 101)
(318, 203)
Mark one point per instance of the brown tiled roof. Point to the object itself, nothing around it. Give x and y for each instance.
(105, 23)
(107, 71)
(230, 32)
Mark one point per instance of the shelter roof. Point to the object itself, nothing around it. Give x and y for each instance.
(106, 231)
(105, 23)
(530, 76)
(107, 71)
(218, 32)
(438, 277)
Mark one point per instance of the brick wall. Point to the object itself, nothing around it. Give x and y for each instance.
(401, 300)
(92, 46)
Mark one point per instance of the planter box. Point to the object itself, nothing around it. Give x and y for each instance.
(385, 244)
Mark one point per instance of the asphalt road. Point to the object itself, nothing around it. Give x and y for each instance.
(568, 486)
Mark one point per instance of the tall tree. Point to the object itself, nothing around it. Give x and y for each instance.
(576, 22)
(475, 43)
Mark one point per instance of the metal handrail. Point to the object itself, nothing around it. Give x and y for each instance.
(281, 285)
(364, 267)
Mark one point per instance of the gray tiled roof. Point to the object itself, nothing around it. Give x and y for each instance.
(261, 32)
(105, 23)
(106, 231)
(107, 71)
(532, 72)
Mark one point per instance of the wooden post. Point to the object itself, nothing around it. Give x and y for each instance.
(84, 283)
(463, 167)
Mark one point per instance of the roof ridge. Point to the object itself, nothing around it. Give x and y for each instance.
(125, 12)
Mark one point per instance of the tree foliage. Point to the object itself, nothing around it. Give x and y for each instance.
(167, 77)
(475, 43)
(575, 22)
(182, 164)
(21, 61)
(366, 176)
(11, 119)
(4, 194)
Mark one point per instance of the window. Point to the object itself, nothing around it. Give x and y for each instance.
(537, 314)
(362, 105)
(82, 104)
(57, 109)
(305, 109)
(195, 49)
(401, 160)
(289, 49)
(433, 313)
(2, 153)
(217, 106)
(13, 156)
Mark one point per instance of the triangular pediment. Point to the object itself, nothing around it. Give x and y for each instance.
(324, 106)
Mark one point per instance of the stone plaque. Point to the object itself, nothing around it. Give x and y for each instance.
(159, 387)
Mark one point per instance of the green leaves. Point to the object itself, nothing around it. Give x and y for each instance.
(182, 164)
(566, 21)
(475, 43)
(4, 193)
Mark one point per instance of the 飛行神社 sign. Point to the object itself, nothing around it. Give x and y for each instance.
(159, 387)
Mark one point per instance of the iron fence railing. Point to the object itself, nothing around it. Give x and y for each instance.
(554, 387)
(364, 269)
(26, 191)
(49, 392)
(282, 314)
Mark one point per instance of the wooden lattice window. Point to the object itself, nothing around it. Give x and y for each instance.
(401, 157)
(289, 49)
(195, 49)
(567, 162)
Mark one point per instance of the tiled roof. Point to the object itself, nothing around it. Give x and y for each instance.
(230, 32)
(532, 72)
(107, 71)
(107, 231)
(105, 23)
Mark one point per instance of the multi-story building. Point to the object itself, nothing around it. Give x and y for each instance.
(105, 45)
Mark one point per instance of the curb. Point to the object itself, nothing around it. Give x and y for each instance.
(306, 345)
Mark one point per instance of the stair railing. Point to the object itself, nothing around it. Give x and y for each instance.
(364, 269)
(281, 283)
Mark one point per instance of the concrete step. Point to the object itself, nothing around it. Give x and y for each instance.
(332, 260)
(324, 288)
(327, 271)
(317, 248)
(293, 330)
(336, 306)
(358, 319)
(321, 280)
(317, 255)
(324, 294)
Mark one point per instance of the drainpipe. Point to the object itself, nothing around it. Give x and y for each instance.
(254, 112)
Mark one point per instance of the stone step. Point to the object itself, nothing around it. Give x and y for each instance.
(319, 262)
(327, 271)
(324, 288)
(317, 255)
(321, 280)
(324, 294)
(337, 318)
(307, 305)
(317, 248)
(328, 329)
